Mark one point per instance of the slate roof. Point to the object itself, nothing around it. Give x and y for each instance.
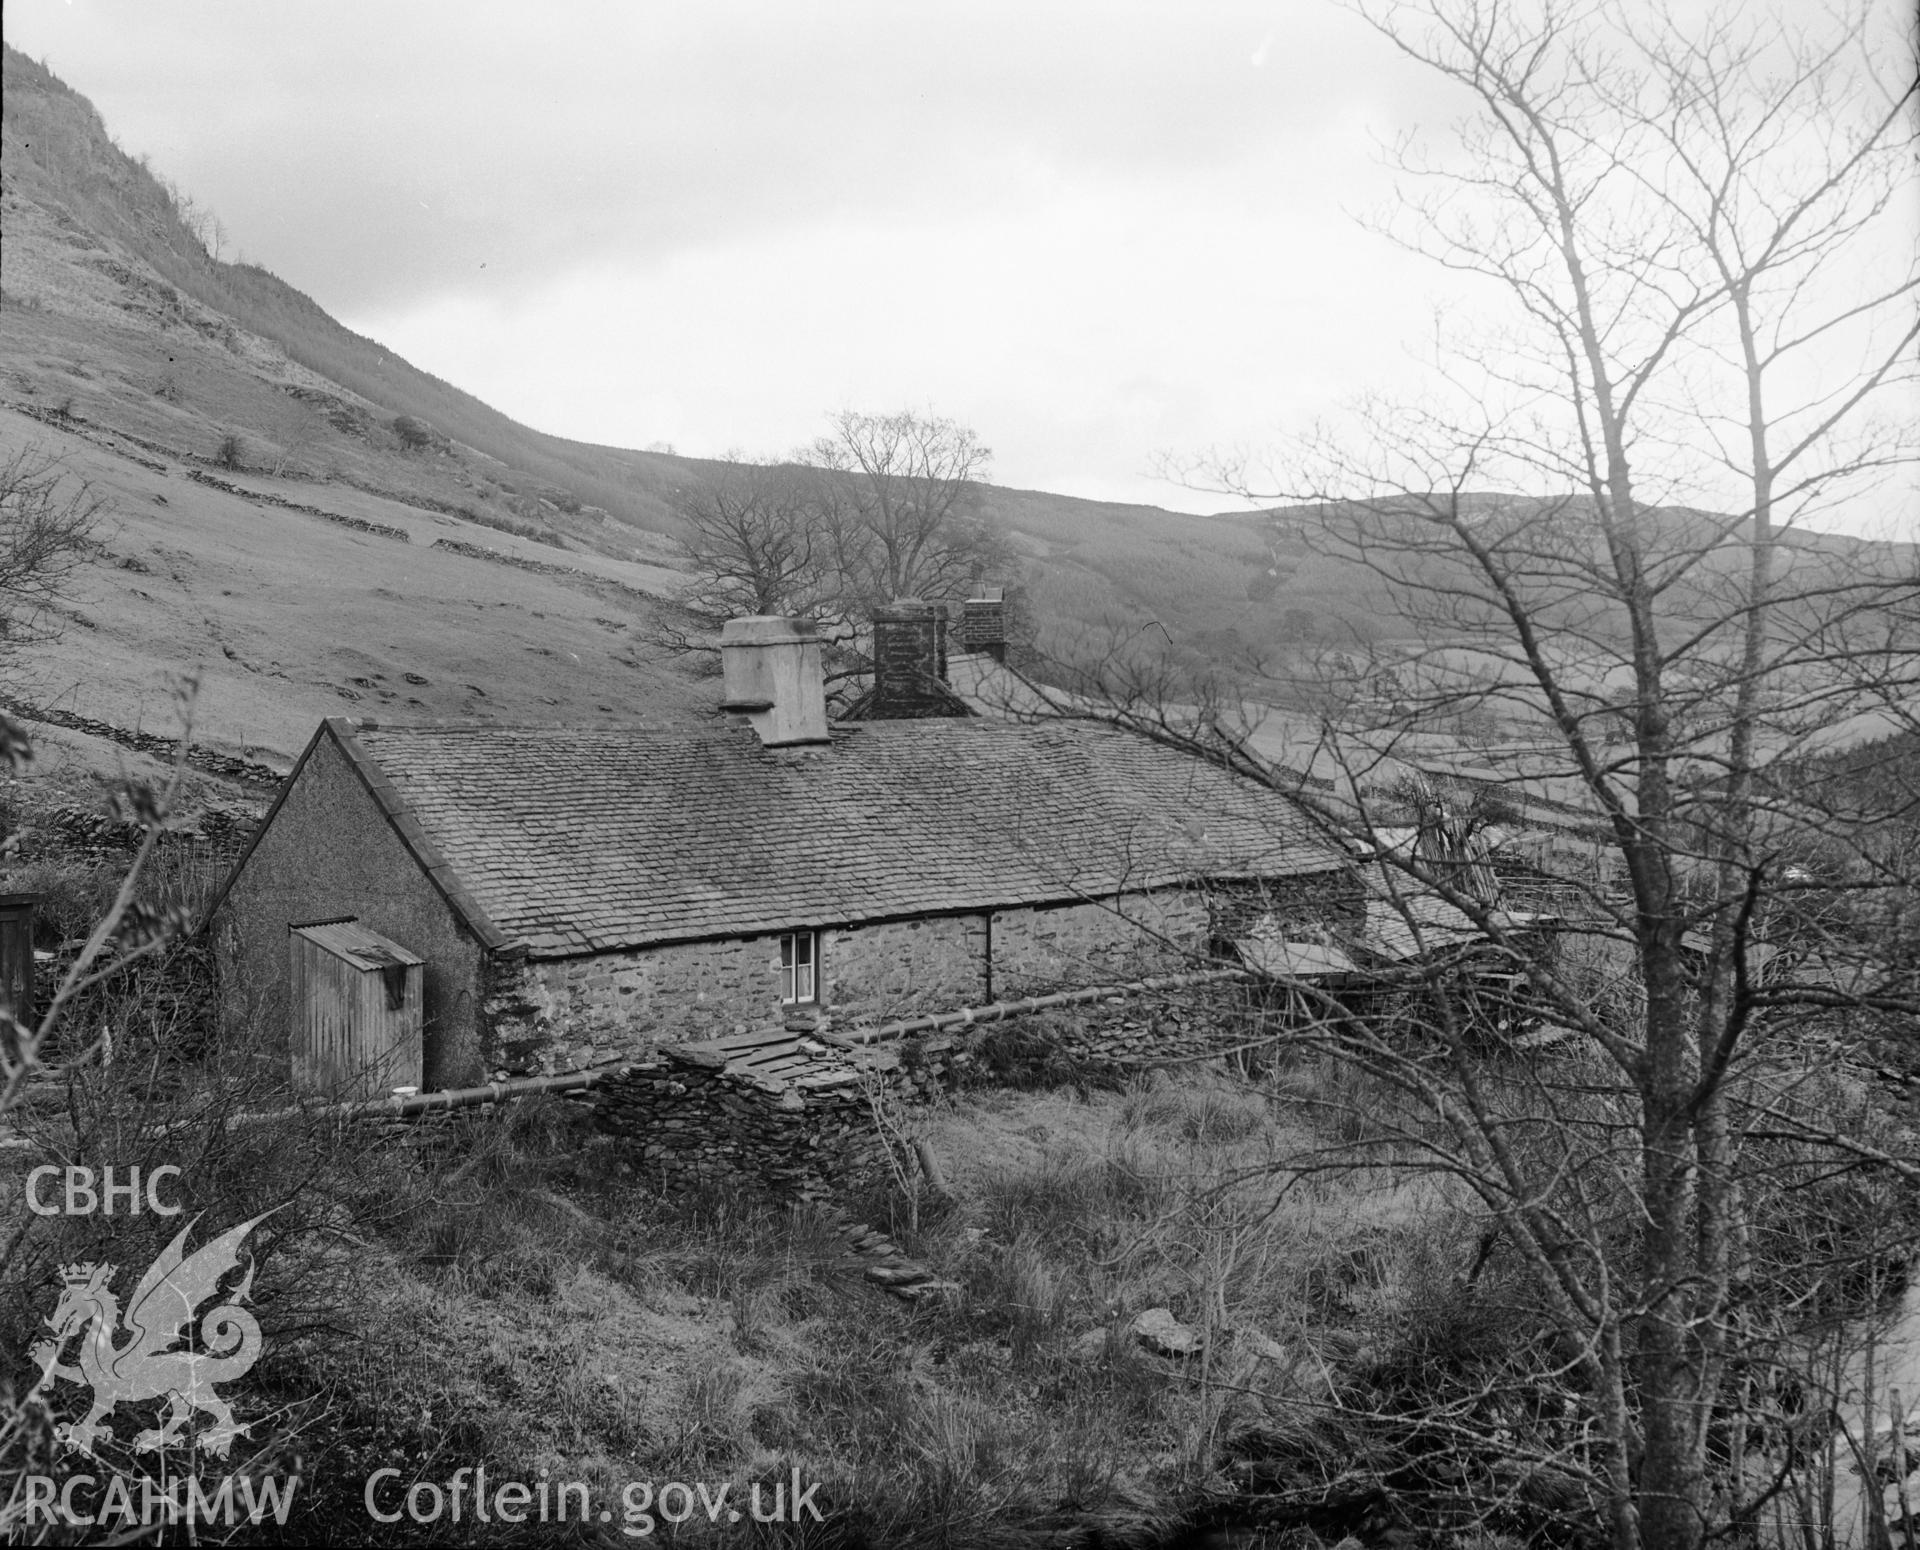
(590, 840)
(991, 688)
(779, 1059)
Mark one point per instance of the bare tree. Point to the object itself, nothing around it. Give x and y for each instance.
(900, 504)
(886, 506)
(756, 543)
(1705, 308)
(49, 528)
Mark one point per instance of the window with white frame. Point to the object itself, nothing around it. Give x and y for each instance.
(800, 968)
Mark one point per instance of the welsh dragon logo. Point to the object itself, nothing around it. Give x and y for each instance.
(145, 1364)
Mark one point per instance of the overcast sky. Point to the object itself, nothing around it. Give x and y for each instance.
(1092, 231)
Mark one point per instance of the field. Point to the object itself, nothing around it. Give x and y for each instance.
(286, 617)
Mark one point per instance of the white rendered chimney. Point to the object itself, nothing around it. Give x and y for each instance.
(770, 673)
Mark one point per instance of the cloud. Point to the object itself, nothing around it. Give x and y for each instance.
(1020, 321)
(1088, 228)
(367, 152)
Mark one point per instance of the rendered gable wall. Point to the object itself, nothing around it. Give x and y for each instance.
(330, 851)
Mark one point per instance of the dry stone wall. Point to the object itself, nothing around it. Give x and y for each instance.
(247, 771)
(539, 567)
(1102, 1044)
(358, 524)
(690, 1123)
(75, 425)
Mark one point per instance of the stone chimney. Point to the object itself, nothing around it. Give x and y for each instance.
(770, 672)
(983, 623)
(909, 665)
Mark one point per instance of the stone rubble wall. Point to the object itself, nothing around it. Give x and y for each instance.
(346, 418)
(220, 833)
(1105, 1042)
(690, 1123)
(517, 527)
(75, 425)
(567, 1014)
(359, 524)
(1040, 949)
(539, 567)
(246, 771)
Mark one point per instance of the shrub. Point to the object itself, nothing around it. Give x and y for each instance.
(1038, 1052)
(232, 451)
(414, 434)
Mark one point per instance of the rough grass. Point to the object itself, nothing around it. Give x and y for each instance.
(497, 1289)
(221, 578)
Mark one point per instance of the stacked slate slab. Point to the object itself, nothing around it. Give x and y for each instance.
(771, 1112)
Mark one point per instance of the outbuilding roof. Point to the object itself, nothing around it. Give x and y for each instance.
(358, 945)
(573, 841)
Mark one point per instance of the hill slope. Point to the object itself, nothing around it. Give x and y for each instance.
(116, 310)
(287, 616)
(124, 340)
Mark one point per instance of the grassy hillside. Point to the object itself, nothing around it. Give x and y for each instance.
(117, 317)
(114, 306)
(58, 155)
(288, 617)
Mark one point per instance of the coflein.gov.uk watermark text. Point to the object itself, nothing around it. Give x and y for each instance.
(466, 1496)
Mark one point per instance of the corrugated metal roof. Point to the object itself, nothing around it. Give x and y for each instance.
(359, 945)
(592, 840)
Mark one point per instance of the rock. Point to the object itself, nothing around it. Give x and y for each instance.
(1261, 1346)
(921, 1291)
(1158, 1330)
(1088, 1346)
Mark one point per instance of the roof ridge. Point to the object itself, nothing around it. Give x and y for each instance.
(377, 726)
(729, 725)
(596, 839)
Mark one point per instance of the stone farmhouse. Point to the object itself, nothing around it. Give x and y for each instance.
(574, 897)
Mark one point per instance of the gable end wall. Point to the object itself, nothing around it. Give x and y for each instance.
(331, 851)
